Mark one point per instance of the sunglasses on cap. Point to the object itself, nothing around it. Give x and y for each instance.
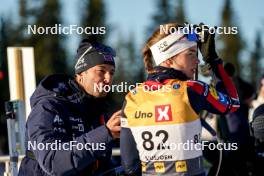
(192, 37)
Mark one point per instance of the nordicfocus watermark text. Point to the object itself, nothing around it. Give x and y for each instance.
(190, 28)
(59, 145)
(125, 87)
(58, 29)
(191, 145)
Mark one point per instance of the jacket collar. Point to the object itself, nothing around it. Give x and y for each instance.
(163, 73)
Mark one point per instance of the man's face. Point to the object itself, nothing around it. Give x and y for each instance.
(96, 78)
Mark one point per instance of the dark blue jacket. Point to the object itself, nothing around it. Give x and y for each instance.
(62, 113)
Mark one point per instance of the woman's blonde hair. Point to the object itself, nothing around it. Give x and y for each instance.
(158, 34)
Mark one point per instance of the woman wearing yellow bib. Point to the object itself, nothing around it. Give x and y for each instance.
(161, 128)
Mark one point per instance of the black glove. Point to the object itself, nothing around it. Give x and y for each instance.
(206, 44)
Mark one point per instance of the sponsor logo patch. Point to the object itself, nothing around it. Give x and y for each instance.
(181, 166)
(163, 113)
(159, 167)
(176, 86)
(213, 92)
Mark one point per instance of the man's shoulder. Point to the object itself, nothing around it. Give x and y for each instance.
(56, 82)
(56, 86)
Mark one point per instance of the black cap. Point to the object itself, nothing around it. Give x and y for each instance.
(92, 53)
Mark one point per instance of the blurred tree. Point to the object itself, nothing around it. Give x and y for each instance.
(180, 16)
(117, 98)
(94, 15)
(20, 38)
(16, 32)
(135, 73)
(129, 66)
(50, 56)
(23, 13)
(120, 65)
(166, 14)
(4, 91)
(255, 61)
(162, 15)
(11, 34)
(232, 43)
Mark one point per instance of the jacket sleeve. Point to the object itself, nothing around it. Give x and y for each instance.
(129, 153)
(205, 97)
(63, 161)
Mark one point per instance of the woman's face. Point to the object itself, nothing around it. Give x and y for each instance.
(186, 61)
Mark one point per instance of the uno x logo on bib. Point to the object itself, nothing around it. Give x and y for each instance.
(163, 113)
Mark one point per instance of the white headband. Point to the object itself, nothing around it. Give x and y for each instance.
(167, 47)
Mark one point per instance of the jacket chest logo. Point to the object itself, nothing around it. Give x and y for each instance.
(58, 124)
(76, 124)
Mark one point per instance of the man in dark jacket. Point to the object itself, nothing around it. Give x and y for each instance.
(66, 133)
